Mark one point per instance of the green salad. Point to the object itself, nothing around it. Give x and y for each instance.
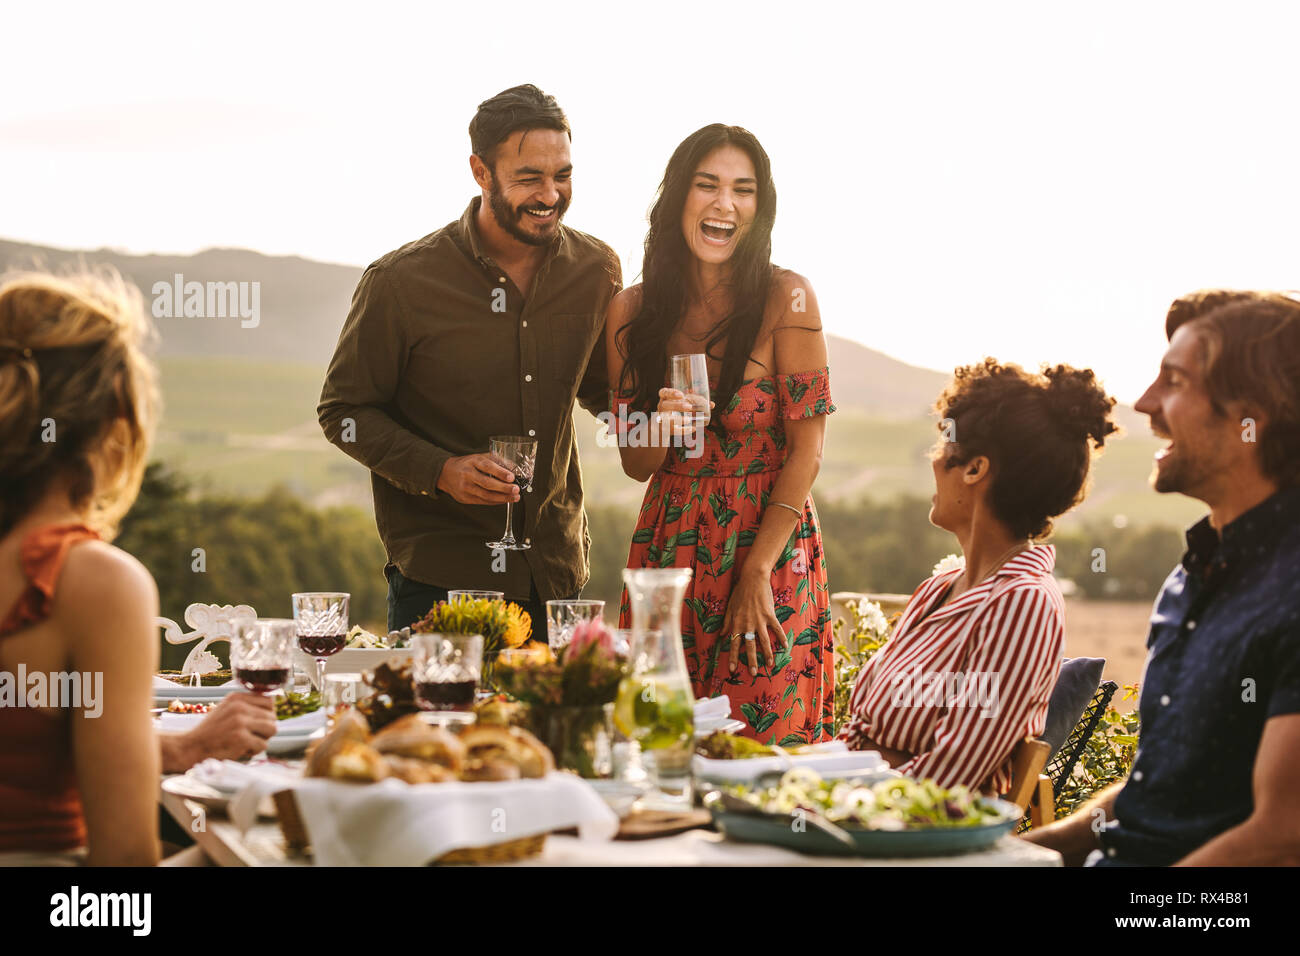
(896, 804)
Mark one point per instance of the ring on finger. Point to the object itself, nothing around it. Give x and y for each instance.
(751, 636)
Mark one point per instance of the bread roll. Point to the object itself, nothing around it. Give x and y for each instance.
(421, 742)
(493, 768)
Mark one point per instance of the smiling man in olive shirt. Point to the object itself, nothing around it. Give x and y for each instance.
(490, 326)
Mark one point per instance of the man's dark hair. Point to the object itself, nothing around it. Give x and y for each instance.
(520, 107)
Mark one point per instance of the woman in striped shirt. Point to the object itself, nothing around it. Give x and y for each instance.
(971, 665)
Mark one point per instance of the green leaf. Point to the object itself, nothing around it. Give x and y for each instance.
(803, 586)
(713, 623)
(788, 692)
(784, 613)
(755, 466)
(806, 636)
(790, 740)
(767, 721)
(643, 536)
(751, 714)
(728, 554)
(747, 538)
(672, 514)
(703, 555)
(788, 711)
(689, 536)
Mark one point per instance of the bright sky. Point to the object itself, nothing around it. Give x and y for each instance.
(1035, 181)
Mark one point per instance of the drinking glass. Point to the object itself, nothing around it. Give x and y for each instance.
(446, 670)
(520, 456)
(261, 653)
(322, 619)
(690, 376)
(342, 691)
(454, 596)
(563, 616)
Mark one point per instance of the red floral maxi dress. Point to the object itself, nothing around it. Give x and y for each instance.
(703, 513)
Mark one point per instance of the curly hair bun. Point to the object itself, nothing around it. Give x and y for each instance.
(1079, 403)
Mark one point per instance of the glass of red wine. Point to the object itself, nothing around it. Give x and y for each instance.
(322, 621)
(261, 653)
(446, 669)
(518, 454)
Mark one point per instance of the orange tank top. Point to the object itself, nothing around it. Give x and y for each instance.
(40, 806)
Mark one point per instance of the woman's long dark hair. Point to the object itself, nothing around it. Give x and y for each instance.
(644, 342)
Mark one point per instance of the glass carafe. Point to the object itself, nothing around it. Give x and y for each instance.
(655, 706)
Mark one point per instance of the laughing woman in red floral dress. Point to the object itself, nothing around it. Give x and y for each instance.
(731, 501)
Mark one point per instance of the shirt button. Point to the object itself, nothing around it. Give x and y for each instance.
(531, 433)
(501, 279)
(1191, 625)
(528, 378)
(528, 540)
(525, 323)
(1164, 700)
(1111, 852)
(1137, 774)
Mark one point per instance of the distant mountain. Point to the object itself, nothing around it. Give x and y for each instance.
(303, 304)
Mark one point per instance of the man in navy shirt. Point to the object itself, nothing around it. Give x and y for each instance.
(1216, 779)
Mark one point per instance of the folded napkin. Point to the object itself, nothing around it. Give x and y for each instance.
(832, 758)
(162, 683)
(713, 709)
(251, 783)
(392, 823)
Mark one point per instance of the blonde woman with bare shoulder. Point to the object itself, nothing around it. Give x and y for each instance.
(79, 761)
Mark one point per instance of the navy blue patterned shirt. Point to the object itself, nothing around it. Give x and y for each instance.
(1223, 657)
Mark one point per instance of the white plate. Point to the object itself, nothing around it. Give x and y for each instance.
(192, 694)
(727, 726)
(840, 764)
(618, 795)
(286, 744)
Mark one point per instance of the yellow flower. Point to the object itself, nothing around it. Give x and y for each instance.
(519, 626)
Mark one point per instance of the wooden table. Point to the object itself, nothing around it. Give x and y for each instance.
(263, 845)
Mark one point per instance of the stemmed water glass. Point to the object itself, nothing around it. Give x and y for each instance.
(261, 653)
(322, 621)
(520, 456)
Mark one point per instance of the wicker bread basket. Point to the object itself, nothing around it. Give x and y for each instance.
(296, 838)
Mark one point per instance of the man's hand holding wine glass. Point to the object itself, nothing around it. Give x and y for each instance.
(478, 479)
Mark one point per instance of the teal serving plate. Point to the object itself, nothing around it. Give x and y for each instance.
(778, 830)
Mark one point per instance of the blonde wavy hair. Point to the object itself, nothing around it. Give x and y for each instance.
(78, 396)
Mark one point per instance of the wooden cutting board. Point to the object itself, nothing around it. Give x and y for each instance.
(648, 824)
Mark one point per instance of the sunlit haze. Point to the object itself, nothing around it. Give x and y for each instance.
(1034, 181)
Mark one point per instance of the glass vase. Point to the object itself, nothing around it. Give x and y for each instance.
(656, 706)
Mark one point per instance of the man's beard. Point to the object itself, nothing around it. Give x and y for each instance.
(509, 219)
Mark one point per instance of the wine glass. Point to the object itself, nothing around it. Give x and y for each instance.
(690, 376)
(261, 653)
(446, 670)
(322, 620)
(519, 455)
(563, 616)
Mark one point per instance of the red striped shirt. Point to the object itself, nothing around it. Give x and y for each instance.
(960, 685)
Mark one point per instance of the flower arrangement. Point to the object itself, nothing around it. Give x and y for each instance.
(569, 696)
(502, 624)
(586, 673)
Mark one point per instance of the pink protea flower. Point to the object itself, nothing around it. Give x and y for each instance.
(592, 632)
(799, 563)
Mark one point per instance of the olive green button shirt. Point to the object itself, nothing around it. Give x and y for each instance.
(439, 352)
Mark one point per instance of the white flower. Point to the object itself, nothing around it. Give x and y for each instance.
(871, 619)
(948, 563)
